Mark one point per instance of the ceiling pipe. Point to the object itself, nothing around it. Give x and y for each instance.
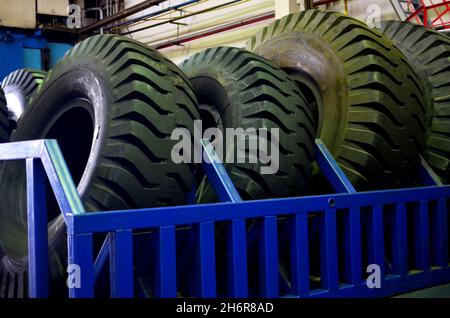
(210, 32)
(225, 28)
(121, 15)
(183, 17)
(150, 3)
(153, 14)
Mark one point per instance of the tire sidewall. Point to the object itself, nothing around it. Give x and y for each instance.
(309, 59)
(87, 79)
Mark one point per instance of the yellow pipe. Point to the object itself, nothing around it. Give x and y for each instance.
(346, 7)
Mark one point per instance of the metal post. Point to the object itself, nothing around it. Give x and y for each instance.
(268, 257)
(439, 226)
(376, 238)
(399, 241)
(121, 264)
(352, 241)
(80, 270)
(422, 236)
(236, 230)
(37, 230)
(166, 281)
(207, 259)
(237, 259)
(328, 251)
(299, 254)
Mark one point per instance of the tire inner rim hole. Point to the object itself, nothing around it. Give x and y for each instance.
(312, 93)
(208, 121)
(313, 103)
(209, 114)
(74, 130)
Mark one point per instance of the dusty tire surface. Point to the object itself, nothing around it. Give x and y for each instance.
(372, 110)
(429, 52)
(23, 84)
(238, 89)
(112, 104)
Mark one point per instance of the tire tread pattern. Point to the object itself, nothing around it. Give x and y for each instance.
(266, 97)
(429, 51)
(387, 115)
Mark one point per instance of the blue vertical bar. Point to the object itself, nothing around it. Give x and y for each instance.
(237, 259)
(352, 238)
(206, 234)
(268, 252)
(166, 284)
(299, 254)
(236, 231)
(422, 237)
(440, 234)
(399, 241)
(328, 251)
(81, 266)
(121, 264)
(376, 238)
(37, 230)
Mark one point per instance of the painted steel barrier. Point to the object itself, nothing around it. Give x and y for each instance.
(316, 246)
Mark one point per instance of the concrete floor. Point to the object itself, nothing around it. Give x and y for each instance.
(442, 291)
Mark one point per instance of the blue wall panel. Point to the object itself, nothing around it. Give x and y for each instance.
(57, 51)
(20, 50)
(32, 58)
(10, 57)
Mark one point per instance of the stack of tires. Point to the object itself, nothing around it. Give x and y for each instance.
(378, 101)
(112, 104)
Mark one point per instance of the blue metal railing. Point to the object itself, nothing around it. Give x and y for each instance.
(354, 230)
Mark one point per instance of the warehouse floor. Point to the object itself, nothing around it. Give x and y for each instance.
(442, 291)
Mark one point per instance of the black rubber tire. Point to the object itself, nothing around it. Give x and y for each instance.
(22, 83)
(238, 89)
(4, 123)
(372, 112)
(428, 51)
(133, 98)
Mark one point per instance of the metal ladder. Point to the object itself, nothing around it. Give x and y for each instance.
(405, 8)
(431, 13)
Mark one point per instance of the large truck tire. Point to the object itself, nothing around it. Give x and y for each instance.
(429, 52)
(19, 87)
(112, 103)
(238, 89)
(4, 123)
(371, 111)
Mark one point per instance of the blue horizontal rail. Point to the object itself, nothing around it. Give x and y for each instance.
(374, 232)
(182, 215)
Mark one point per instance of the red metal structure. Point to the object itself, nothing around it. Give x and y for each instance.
(432, 13)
